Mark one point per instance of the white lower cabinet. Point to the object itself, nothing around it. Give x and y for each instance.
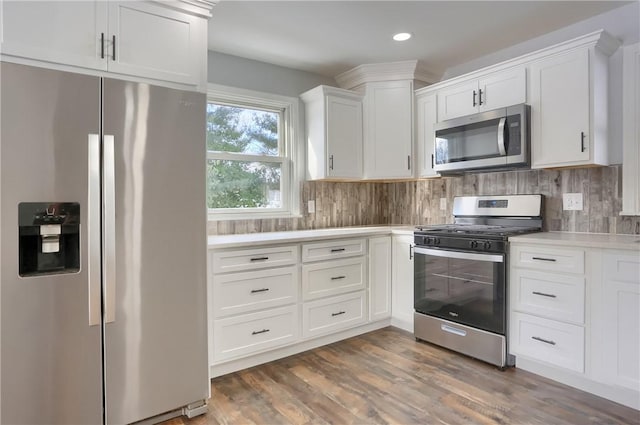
(575, 316)
(331, 314)
(275, 300)
(402, 282)
(251, 333)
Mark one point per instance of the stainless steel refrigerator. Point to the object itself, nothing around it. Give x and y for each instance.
(103, 249)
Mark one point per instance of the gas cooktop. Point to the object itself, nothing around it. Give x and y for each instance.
(475, 230)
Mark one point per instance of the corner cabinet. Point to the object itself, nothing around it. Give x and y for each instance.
(333, 119)
(631, 130)
(426, 117)
(568, 96)
(161, 41)
(380, 278)
(492, 91)
(402, 282)
(388, 134)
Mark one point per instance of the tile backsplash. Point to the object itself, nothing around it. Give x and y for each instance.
(418, 202)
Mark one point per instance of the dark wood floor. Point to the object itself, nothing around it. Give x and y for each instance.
(387, 377)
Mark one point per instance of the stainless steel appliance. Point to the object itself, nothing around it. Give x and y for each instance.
(103, 249)
(497, 139)
(460, 274)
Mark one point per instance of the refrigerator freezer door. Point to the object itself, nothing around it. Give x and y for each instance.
(156, 348)
(51, 362)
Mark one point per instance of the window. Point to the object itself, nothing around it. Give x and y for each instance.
(252, 165)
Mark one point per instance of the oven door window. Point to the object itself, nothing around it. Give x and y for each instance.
(466, 291)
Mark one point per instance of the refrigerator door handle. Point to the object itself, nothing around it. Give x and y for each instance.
(109, 228)
(93, 233)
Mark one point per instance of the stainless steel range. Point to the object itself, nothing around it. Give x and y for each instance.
(460, 274)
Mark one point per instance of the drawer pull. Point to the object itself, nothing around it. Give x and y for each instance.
(264, 331)
(337, 250)
(338, 277)
(543, 259)
(259, 259)
(255, 291)
(338, 313)
(546, 341)
(543, 294)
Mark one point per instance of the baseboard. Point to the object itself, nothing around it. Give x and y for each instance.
(403, 322)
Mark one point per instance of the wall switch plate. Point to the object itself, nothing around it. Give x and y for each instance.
(311, 206)
(443, 203)
(572, 201)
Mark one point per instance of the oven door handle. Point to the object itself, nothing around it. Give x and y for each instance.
(492, 258)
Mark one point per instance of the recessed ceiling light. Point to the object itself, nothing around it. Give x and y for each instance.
(402, 36)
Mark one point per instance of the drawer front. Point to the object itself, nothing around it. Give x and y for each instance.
(245, 292)
(548, 259)
(555, 296)
(333, 314)
(252, 259)
(333, 249)
(544, 340)
(247, 334)
(333, 278)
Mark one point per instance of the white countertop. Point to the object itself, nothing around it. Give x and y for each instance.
(584, 240)
(254, 239)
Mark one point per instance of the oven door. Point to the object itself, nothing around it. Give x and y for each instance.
(463, 287)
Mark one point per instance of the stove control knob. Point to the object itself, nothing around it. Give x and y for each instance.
(436, 241)
(473, 244)
(487, 245)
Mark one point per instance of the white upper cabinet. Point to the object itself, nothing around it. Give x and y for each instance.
(568, 99)
(67, 33)
(150, 40)
(492, 91)
(631, 131)
(156, 42)
(333, 119)
(426, 117)
(388, 134)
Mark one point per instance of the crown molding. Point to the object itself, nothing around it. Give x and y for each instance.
(390, 71)
(201, 8)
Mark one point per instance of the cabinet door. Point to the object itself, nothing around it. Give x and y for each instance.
(425, 134)
(153, 41)
(502, 89)
(458, 100)
(379, 278)
(560, 110)
(388, 129)
(65, 32)
(402, 282)
(631, 131)
(620, 317)
(344, 137)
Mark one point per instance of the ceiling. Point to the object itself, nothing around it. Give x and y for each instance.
(330, 37)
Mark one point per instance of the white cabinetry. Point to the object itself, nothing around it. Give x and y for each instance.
(151, 40)
(575, 311)
(616, 312)
(334, 133)
(388, 134)
(568, 96)
(494, 90)
(547, 299)
(426, 117)
(380, 266)
(631, 130)
(402, 282)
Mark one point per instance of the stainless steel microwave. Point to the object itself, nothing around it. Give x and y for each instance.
(492, 140)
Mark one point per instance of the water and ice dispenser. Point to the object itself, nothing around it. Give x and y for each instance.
(49, 238)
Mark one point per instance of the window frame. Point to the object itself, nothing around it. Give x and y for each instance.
(290, 155)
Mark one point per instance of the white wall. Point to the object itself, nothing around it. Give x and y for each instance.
(623, 23)
(249, 74)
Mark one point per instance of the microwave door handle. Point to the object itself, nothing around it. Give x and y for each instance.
(501, 145)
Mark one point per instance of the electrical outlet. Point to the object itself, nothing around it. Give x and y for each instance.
(311, 206)
(572, 201)
(443, 204)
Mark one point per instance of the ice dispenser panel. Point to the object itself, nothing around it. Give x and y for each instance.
(49, 238)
